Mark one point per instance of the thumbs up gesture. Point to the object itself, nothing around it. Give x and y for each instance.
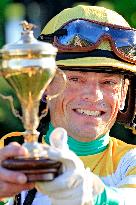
(74, 186)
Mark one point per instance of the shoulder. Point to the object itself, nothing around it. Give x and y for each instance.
(123, 154)
(117, 146)
(123, 159)
(118, 142)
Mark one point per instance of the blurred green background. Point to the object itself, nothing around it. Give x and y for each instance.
(40, 12)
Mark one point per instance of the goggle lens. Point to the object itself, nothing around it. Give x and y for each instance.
(81, 29)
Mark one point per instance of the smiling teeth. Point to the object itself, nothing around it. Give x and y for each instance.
(89, 113)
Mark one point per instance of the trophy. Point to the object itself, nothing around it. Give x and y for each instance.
(29, 67)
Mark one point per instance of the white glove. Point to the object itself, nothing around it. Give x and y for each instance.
(75, 185)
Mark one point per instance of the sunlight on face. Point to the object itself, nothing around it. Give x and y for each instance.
(89, 105)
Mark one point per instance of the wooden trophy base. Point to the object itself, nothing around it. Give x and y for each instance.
(35, 169)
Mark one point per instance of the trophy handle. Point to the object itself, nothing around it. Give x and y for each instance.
(50, 97)
(44, 112)
(14, 111)
(15, 134)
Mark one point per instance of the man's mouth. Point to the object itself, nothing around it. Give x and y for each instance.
(89, 112)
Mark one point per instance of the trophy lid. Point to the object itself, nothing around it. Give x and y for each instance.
(27, 43)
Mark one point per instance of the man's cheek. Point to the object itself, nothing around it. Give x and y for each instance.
(115, 105)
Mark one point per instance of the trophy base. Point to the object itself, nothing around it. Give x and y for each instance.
(40, 169)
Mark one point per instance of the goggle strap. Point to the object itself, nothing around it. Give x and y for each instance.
(127, 117)
(50, 37)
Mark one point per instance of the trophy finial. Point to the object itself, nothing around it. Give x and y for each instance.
(28, 26)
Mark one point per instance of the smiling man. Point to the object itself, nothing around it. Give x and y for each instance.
(89, 105)
(96, 52)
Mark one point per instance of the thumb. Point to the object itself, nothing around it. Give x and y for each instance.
(59, 150)
(59, 138)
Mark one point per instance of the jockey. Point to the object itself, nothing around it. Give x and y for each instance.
(96, 51)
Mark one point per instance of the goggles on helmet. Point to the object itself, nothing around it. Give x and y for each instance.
(82, 35)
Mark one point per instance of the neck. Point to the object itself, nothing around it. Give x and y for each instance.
(83, 148)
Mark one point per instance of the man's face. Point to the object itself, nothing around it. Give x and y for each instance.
(89, 105)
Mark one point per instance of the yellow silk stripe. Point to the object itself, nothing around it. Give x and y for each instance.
(128, 186)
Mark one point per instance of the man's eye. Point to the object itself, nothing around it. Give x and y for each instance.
(109, 82)
(74, 79)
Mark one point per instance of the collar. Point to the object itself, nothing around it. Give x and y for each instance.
(83, 148)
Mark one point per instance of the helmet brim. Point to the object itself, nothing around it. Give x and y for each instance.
(98, 62)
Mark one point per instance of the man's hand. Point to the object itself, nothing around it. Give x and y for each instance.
(12, 182)
(75, 186)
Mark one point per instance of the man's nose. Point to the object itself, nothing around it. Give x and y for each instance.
(92, 92)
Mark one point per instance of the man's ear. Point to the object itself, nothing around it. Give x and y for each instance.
(124, 94)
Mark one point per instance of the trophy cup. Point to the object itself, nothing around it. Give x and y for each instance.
(29, 67)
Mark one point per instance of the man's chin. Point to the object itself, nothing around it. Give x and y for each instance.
(87, 135)
(86, 131)
(86, 139)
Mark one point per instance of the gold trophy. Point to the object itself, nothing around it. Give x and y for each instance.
(29, 67)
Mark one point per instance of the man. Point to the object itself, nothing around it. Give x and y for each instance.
(97, 55)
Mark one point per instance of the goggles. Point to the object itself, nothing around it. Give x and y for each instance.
(81, 35)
